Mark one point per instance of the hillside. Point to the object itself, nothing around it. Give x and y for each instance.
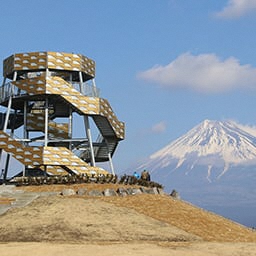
(208, 226)
(213, 166)
(142, 217)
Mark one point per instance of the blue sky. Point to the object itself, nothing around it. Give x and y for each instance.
(164, 66)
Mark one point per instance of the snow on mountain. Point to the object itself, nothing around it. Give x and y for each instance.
(212, 166)
(211, 144)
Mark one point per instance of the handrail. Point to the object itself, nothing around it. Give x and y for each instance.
(9, 89)
(87, 89)
(81, 152)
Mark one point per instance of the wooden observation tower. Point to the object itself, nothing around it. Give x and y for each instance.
(41, 93)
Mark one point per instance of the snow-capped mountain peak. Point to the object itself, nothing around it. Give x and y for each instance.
(211, 143)
(213, 166)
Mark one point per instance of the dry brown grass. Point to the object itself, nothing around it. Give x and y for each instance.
(60, 187)
(5, 200)
(208, 226)
(73, 219)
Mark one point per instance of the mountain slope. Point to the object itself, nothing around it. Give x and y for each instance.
(211, 144)
(213, 166)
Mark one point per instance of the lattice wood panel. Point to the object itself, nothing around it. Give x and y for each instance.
(25, 155)
(36, 122)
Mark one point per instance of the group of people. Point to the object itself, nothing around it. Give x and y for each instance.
(144, 175)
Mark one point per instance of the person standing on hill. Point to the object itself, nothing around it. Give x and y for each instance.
(145, 175)
(136, 175)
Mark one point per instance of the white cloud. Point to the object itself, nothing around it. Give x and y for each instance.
(159, 127)
(204, 73)
(237, 8)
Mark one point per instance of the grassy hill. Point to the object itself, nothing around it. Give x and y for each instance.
(142, 217)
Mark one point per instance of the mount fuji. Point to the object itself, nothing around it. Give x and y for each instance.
(213, 166)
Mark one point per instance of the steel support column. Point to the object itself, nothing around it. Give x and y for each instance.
(25, 132)
(46, 115)
(70, 127)
(111, 163)
(1, 150)
(110, 158)
(7, 160)
(87, 125)
(89, 137)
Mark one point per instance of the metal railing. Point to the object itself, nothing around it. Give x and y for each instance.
(9, 89)
(87, 89)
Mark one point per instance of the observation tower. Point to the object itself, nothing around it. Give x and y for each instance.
(41, 95)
